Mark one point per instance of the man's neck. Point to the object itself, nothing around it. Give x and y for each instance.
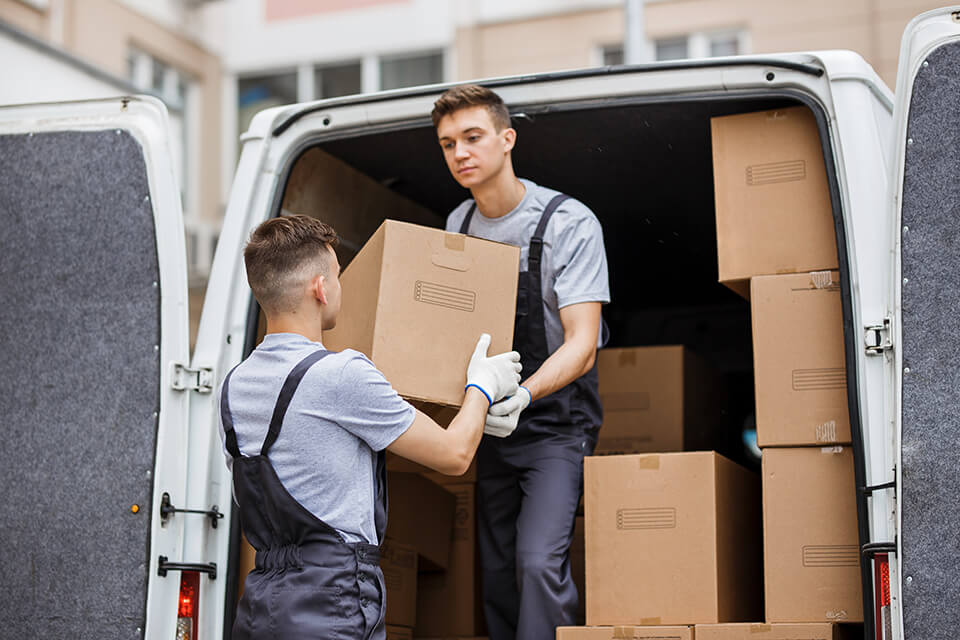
(291, 324)
(499, 197)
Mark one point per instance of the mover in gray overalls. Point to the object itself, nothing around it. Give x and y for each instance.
(304, 431)
(529, 481)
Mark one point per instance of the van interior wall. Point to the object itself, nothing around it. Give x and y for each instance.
(646, 172)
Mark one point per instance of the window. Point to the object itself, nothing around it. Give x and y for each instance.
(671, 48)
(332, 81)
(701, 45)
(256, 93)
(724, 45)
(410, 71)
(611, 55)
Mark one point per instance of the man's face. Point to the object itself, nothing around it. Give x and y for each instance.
(331, 287)
(474, 150)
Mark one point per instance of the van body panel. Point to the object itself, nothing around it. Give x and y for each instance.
(95, 313)
(925, 202)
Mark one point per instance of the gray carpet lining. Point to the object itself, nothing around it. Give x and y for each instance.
(931, 327)
(78, 323)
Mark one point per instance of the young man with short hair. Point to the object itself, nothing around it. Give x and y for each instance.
(530, 480)
(304, 431)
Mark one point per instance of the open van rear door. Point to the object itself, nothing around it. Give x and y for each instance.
(93, 319)
(926, 188)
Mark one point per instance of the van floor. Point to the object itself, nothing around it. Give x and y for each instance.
(646, 171)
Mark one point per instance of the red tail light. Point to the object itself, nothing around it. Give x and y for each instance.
(188, 607)
(881, 582)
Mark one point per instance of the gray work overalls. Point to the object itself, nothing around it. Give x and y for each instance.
(529, 484)
(308, 582)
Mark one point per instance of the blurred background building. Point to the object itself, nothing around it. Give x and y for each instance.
(215, 63)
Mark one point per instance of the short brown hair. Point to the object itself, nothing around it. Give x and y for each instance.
(465, 96)
(281, 253)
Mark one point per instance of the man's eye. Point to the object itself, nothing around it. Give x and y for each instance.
(473, 138)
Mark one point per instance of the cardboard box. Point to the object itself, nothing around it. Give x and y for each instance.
(415, 301)
(578, 567)
(622, 632)
(399, 565)
(772, 200)
(395, 632)
(672, 539)
(451, 603)
(421, 514)
(657, 399)
(756, 631)
(811, 543)
(799, 365)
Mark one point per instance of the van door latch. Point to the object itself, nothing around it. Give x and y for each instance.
(183, 378)
(167, 509)
(878, 338)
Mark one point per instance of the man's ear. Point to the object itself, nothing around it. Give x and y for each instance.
(317, 288)
(509, 139)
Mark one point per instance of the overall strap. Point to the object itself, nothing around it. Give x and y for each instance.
(286, 395)
(230, 439)
(536, 242)
(465, 226)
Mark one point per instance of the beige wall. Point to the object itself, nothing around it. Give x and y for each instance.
(872, 28)
(566, 41)
(101, 32)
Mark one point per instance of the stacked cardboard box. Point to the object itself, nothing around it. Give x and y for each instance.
(398, 562)
(624, 632)
(671, 539)
(657, 399)
(809, 631)
(776, 244)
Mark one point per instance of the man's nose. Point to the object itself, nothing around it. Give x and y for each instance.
(460, 151)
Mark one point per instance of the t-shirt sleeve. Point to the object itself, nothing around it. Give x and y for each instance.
(582, 262)
(368, 407)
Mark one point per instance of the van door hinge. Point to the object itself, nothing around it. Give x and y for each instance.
(183, 378)
(878, 338)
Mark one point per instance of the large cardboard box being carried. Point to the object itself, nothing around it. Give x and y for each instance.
(421, 514)
(624, 632)
(671, 539)
(752, 631)
(399, 565)
(450, 603)
(657, 399)
(772, 201)
(415, 301)
(799, 365)
(811, 544)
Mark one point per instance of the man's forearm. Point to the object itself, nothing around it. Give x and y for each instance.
(565, 365)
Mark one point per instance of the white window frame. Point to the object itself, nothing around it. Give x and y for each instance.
(698, 42)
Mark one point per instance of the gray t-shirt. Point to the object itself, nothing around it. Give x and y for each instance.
(343, 412)
(574, 263)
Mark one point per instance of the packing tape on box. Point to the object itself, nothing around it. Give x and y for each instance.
(628, 633)
(627, 356)
(649, 463)
(822, 280)
(760, 628)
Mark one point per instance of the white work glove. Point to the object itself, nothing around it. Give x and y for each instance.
(502, 416)
(496, 376)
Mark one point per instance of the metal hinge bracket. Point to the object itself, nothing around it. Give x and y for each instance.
(878, 338)
(183, 378)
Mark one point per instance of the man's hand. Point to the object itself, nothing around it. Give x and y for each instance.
(496, 376)
(503, 416)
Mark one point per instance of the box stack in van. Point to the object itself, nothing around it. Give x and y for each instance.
(673, 536)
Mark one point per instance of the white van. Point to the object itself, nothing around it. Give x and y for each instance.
(116, 519)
